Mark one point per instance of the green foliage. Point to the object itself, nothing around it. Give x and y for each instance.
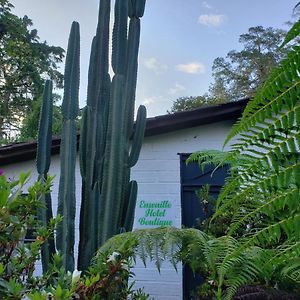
(293, 33)
(192, 102)
(240, 74)
(218, 260)
(24, 61)
(107, 277)
(29, 129)
(261, 196)
(18, 214)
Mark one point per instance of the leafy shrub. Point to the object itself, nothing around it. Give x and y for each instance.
(107, 277)
(17, 215)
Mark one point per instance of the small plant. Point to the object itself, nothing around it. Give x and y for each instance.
(17, 215)
(108, 277)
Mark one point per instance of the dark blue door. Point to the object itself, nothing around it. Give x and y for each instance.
(193, 212)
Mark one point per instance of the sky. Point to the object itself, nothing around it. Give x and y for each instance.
(179, 39)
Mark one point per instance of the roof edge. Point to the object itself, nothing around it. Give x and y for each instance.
(20, 152)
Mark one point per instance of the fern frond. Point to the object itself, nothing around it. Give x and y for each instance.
(288, 199)
(265, 185)
(243, 269)
(282, 255)
(292, 34)
(157, 244)
(220, 159)
(280, 91)
(292, 270)
(271, 233)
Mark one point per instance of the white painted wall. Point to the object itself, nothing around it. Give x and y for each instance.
(158, 175)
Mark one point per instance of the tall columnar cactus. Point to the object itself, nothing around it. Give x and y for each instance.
(65, 237)
(43, 164)
(106, 153)
(93, 137)
(109, 141)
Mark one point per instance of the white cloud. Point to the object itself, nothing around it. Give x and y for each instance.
(212, 20)
(206, 5)
(191, 68)
(176, 89)
(152, 64)
(152, 100)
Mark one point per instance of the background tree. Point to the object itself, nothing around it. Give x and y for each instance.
(24, 63)
(188, 103)
(240, 73)
(29, 129)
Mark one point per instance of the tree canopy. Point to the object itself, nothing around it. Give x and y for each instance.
(187, 103)
(30, 125)
(25, 62)
(240, 73)
(192, 102)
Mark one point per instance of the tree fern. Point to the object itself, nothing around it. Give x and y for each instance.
(221, 260)
(263, 194)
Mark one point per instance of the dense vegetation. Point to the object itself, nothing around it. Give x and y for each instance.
(24, 63)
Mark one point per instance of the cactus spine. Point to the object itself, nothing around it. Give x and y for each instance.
(43, 164)
(65, 237)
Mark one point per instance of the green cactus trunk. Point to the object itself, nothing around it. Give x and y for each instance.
(65, 237)
(106, 153)
(43, 163)
(109, 142)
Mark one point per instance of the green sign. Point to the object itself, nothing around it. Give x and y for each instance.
(154, 213)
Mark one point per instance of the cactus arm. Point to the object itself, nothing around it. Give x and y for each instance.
(45, 131)
(129, 213)
(119, 43)
(136, 8)
(140, 8)
(131, 74)
(86, 248)
(44, 214)
(71, 77)
(65, 237)
(138, 136)
(82, 142)
(112, 182)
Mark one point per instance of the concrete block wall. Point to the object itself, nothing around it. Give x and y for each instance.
(158, 175)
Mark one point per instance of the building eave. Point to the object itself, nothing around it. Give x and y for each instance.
(20, 152)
